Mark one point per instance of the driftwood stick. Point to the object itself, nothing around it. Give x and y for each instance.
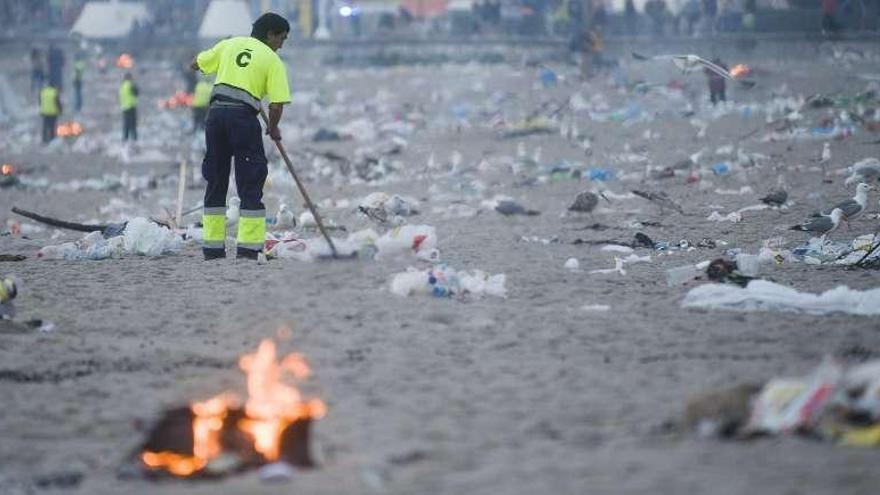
(61, 224)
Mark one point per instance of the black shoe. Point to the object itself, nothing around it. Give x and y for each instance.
(213, 253)
(247, 254)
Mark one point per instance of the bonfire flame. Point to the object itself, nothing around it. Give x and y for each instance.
(69, 129)
(270, 408)
(740, 70)
(273, 405)
(7, 169)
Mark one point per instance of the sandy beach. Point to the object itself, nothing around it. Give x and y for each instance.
(538, 392)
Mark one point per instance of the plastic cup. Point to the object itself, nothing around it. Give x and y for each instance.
(748, 264)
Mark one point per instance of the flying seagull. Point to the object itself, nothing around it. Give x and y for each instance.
(690, 63)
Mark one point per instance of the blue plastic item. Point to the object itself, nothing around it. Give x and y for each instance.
(720, 168)
(548, 78)
(600, 174)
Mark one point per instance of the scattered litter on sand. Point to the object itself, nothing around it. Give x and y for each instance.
(762, 295)
(444, 281)
(839, 401)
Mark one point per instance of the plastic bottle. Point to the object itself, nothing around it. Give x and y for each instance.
(58, 252)
(682, 274)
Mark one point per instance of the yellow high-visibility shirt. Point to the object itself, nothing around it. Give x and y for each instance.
(202, 94)
(127, 98)
(249, 65)
(49, 101)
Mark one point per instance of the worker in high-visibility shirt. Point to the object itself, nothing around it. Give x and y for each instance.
(247, 69)
(50, 109)
(79, 68)
(128, 100)
(200, 101)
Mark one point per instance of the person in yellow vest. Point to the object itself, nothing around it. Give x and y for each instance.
(247, 69)
(50, 109)
(201, 100)
(128, 100)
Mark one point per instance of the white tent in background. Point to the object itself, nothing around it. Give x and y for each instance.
(111, 19)
(226, 18)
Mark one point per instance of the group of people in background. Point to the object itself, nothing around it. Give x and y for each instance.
(695, 17)
(47, 83)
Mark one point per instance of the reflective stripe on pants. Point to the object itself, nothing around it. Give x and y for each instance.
(214, 228)
(252, 229)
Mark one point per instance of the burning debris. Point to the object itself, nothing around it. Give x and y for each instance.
(125, 61)
(8, 175)
(219, 436)
(180, 99)
(740, 71)
(69, 130)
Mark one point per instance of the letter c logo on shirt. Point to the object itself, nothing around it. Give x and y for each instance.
(243, 59)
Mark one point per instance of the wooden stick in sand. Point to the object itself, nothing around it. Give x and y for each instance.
(181, 188)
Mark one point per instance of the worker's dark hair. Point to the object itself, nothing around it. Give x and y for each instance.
(269, 23)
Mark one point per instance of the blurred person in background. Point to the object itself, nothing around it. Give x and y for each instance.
(50, 109)
(38, 71)
(691, 15)
(128, 101)
(717, 84)
(829, 17)
(55, 64)
(710, 12)
(656, 11)
(200, 102)
(600, 16)
(79, 68)
(631, 18)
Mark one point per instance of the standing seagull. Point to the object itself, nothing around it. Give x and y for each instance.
(586, 202)
(826, 156)
(661, 199)
(689, 63)
(821, 225)
(852, 207)
(776, 197)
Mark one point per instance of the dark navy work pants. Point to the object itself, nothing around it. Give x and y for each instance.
(234, 132)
